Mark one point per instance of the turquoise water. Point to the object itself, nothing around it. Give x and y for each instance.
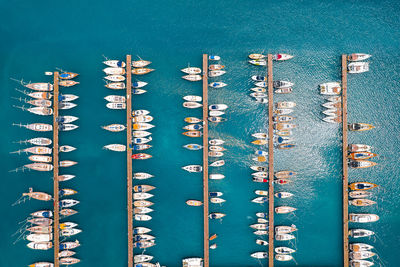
(42, 36)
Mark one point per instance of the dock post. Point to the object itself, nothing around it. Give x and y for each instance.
(270, 164)
(345, 166)
(205, 161)
(129, 157)
(55, 173)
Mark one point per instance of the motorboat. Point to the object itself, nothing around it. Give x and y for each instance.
(283, 111)
(192, 262)
(116, 85)
(66, 119)
(142, 118)
(360, 263)
(282, 57)
(256, 56)
(282, 84)
(140, 133)
(283, 118)
(330, 88)
(114, 127)
(138, 84)
(358, 57)
(259, 142)
(284, 250)
(115, 63)
(216, 148)
(361, 155)
(67, 203)
(112, 105)
(141, 140)
(142, 196)
(142, 175)
(258, 62)
(142, 203)
(114, 71)
(285, 104)
(261, 153)
(356, 247)
(216, 142)
(360, 164)
(192, 98)
(141, 156)
(259, 168)
(363, 217)
(193, 146)
(258, 78)
(260, 180)
(283, 194)
(282, 139)
(260, 135)
(141, 71)
(216, 67)
(140, 63)
(360, 194)
(285, 174)
(358, 67)
(286, 90)
(66, 105)
(217, 200)
(38, 166)
(216, 215)
(259, 89)
(191, 70)
(283, 257)
(262, 215)
(259, 255)
(217, 163)
(216, 176)
(284, 126)
(332, 119)
(360, 126)
(363, 202)
(193, 168)
(284, 237)
(261, 232)
(333, 112)
(40, 86)
(260, 200)
(142, 126)
(142, 258)
(65, 177)
(192, 202)
(192, 105)
(357, 233)
(143, 188)
(40, 245)
(284, 209)
(261, 100)
(261, 242)
(67, 83)
(192, 77)
(141, 230)
(217, 84)
(115, 98)
(285, 229)
(67, 127)
(68, 261)
(215, 194)
(260, 158)
(218, 107)
(193, 133)
(286, 146)
(67, 163)
(115, 78)
(359, 148)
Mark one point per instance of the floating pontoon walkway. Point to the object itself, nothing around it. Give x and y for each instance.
(129, 157)
(205, 161)
(56, 212)
(270, 164)
(345, 166)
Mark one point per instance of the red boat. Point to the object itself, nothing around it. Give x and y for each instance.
(141, 156)
(282, 181)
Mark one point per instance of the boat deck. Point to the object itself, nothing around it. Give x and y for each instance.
(345, 166)
(129, 157)
(270, 163)
(205, 161)
(55, 173)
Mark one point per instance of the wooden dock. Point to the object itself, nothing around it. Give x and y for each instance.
(271, 211)
(56, 197)
(345, 166)
(205, 162)
(129, 157)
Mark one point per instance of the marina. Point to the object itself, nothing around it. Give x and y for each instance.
(56, 189)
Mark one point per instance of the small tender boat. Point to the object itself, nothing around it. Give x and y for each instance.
(259, 255)
(142, 175)
(361, 155)
(283, 111)
(66, 203)
(192, 120)
(142, 258)
(116, 85)
(114, 127)
(332, 119)
(282, 57)
(261, 242)
(114, 71)
(140, 63)
(113, 105)
(142, 203)
(140, 133)
(143, 188)
(216, 148)
(283, 194)
(115, 63)
(217, 84)
(193, 168)
(192, 105)
(115, 98)
(256, 56)
(286, 90)
(258, 62)
(284, 209)
(217, 163)
(357, 233)
(192, 98)
(284, 237)
(193, 133)
(285, 229)
(216, 176)
(142, 196)
(259, 89)
(192, 77)
(141, 156)
(360, 194)
(283, 257)
(360, 126)
(360, 164)
(115, 78)
(217, 200)
(69, 261)
(39, 166)
(284, 250)
(216, 73)
(141, 140)
(142, 126)
(141, 71)
(191, 70)
(216, 215)
(363, 217)
(215, 113)
(69, 245)
(260, 200)
(67, 148)
(358, 67)
(193, 146)
(260, 142)
(360, 247)
(40, 245)
(192, 202)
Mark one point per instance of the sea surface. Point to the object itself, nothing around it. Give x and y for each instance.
(39, 36)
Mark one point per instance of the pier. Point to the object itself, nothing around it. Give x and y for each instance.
(271, 211)
(345, 166)
(205, 162)
(56, 191)
(129, 157)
